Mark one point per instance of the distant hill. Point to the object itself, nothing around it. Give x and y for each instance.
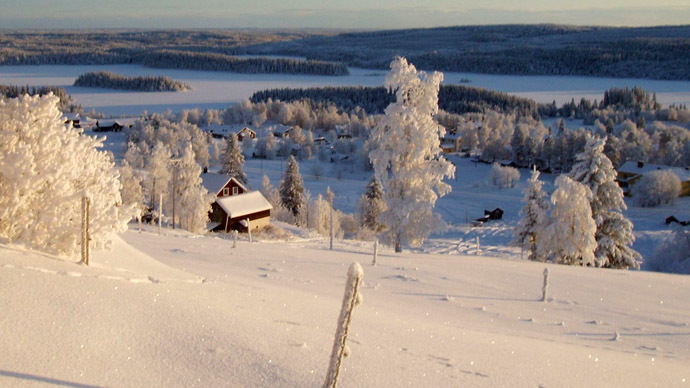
(545, 49)
(642, 52)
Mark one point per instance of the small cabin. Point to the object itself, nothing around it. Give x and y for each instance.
(246, 133)
(108, 126)
(235, 205)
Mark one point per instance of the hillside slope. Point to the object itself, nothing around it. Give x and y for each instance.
(179, 311)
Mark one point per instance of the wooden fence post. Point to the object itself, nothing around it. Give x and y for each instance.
(351, 299)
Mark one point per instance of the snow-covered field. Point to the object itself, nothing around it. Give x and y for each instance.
(186, 311)
(217, 89)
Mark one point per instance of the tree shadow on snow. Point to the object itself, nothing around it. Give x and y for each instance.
(49, 380)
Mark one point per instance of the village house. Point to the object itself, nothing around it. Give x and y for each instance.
(108, 126)
(630, 172)
(221, 131)
(235, 208)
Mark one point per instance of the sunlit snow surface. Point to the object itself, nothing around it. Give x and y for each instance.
(219, 89)
(179, 310)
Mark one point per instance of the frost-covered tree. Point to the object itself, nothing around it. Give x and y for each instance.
(407, 157)
(132, 193)
(194, 201)
(330, 196)
(45, 170)
(233, 160)
(656, 188)
(503, 176)
(270, 192)
(371, 205)
(534, 216)
(568, 237)
(266, 146)
(158, 169)
(614, 233)
(320, 217)
(292, 189)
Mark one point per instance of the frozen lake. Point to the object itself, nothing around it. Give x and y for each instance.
(218, 89)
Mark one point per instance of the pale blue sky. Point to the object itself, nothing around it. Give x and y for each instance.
(332, 14)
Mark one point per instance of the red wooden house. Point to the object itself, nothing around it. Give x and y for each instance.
(235, 205)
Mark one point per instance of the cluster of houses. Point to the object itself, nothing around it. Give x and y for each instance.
(98, 125)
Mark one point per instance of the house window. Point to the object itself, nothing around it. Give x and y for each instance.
(235, 191)
(226, 191)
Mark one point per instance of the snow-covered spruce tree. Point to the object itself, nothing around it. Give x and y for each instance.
(132, 193)
(193, 200)
(614, 233)
(406, 155)
(534, 216)
(568, 237)
(292, 189)
(233, 160)
(45, 170)
(371, 205)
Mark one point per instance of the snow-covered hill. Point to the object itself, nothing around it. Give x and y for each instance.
(180, 311)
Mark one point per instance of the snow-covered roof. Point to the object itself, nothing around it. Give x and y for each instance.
(631, 167)
(214, 182)
(109, 123)
(244, 204)
(70, 116)
(226, 129)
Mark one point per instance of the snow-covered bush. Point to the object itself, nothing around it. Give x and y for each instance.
(319, 218)
(45, 170)
(673, 255)
(266, 147)
(317, 170)
(656, 188)
(503, 176)
(406, 155)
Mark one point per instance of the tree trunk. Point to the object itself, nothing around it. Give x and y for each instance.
(398, 243)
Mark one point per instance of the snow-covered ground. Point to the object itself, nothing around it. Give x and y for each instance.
(218, 89)
(179, 310)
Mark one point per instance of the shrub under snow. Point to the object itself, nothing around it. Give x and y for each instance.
(503, 177)
(45, 170)
(673, 255)
(656, 188)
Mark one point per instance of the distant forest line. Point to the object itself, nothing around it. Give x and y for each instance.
(457, 99)
(109, 80)
(208, 51)
(640, 52)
